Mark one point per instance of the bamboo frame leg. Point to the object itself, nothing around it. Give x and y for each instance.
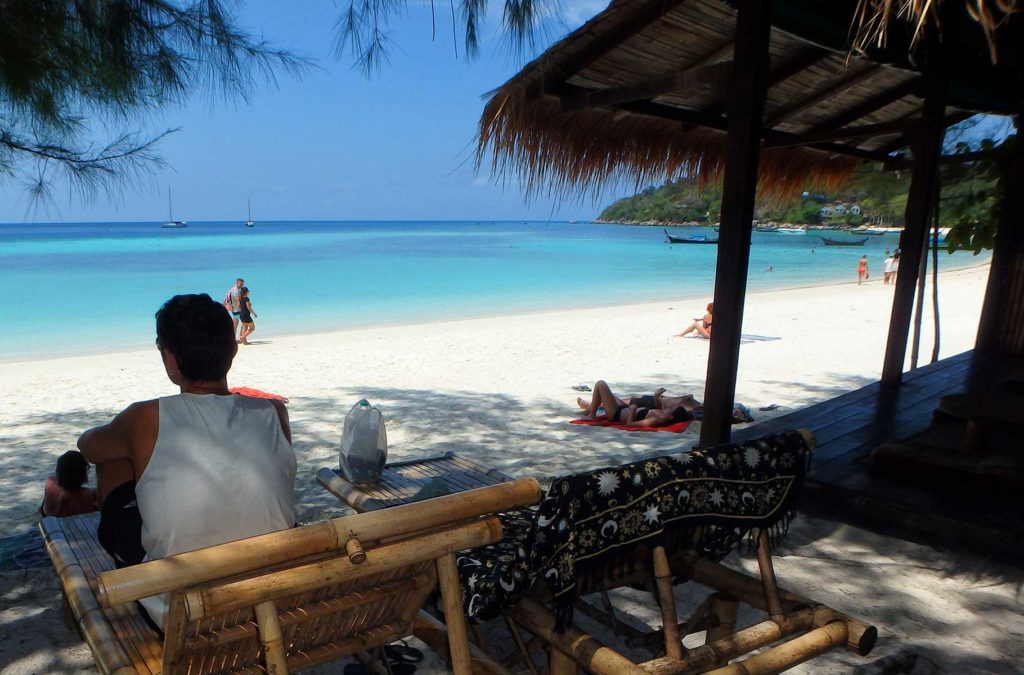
(478, 637)
(560, 664)
(790, 653)
(593, 656)
(270, 637)
(451, 594)
(723, 614)
(771, 588)
(521, 645)
(667, 601)
(435, 635)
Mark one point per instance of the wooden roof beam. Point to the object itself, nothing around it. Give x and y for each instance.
(557, 73)
(797, 64)
(823, 95)
(863, 131)
(870, 105)
(693, 74)
(719, 123)
(704, 77)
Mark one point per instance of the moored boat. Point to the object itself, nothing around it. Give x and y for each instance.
(171, 222)
(792, 230)
(843, 242)
(765, 228)
(695, 239)
(875, 232)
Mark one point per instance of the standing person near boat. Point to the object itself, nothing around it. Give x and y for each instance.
(701, 325)
(887, 269)
(231, 301)
(245, 315)
(862, 270)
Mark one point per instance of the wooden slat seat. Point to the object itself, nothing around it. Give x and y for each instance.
(282, 601)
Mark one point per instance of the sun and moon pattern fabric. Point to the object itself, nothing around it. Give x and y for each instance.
(710, 499)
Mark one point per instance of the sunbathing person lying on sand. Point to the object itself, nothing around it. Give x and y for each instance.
(701, 325)
(655, 410)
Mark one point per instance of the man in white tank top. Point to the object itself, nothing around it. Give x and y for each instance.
(196, 469)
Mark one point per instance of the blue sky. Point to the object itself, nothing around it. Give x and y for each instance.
(334, 144)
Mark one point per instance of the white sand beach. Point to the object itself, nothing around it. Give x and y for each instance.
(498, 389)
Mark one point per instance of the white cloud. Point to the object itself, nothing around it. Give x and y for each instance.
(481, 181)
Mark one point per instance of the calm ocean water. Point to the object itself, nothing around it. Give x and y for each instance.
(79, 287)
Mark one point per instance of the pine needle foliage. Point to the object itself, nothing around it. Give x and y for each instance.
(362, 28)
(72, 71)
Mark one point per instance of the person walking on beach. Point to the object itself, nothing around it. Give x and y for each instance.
(245, 315)
(895, 266)
(887, 269)
(862, 269)
(232, 301)
(160, 464)
(701, 325)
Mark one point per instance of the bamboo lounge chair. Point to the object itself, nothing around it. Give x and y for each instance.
(656, 520)
(286, 600)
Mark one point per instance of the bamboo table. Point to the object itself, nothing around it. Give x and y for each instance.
(402, 482)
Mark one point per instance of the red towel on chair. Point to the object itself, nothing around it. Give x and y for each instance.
(602, 421)
(256, 393)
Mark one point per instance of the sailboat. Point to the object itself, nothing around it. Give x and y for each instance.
(250, 223)
(171, 222)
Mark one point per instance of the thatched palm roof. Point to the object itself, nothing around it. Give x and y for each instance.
(638, 91)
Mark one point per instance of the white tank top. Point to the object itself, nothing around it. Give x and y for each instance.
(221, 470)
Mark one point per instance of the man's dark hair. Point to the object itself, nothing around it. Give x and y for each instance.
(72, 470)
(199, 333)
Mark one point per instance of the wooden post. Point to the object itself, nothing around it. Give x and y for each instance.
(926, 145)
(451, 594)
(667, 601)
(744, 107)
(1002, 315)
(270, 638)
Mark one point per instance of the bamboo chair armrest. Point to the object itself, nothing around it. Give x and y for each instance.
(116, 587)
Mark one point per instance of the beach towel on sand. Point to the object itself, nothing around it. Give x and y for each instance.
(602, 421)
(256, 393)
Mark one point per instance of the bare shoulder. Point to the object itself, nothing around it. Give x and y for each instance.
(140, 412)
(282, 414)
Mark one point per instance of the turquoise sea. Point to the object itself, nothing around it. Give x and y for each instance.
(82, 287)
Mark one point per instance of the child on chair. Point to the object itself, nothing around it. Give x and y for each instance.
(64, 494)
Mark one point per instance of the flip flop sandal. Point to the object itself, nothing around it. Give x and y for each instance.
(773, 406)
(402, 653)
(580, 387)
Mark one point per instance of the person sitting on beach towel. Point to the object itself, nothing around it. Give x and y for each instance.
(639, 411)
(64, 494)
(701, 325)
(197, 469)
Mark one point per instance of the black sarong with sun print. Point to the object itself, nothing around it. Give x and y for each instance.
(710, 499)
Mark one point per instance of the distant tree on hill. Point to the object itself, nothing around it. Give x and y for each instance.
(75, 71)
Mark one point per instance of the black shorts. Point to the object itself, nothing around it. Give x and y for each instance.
(120, 534)
(120, 530)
